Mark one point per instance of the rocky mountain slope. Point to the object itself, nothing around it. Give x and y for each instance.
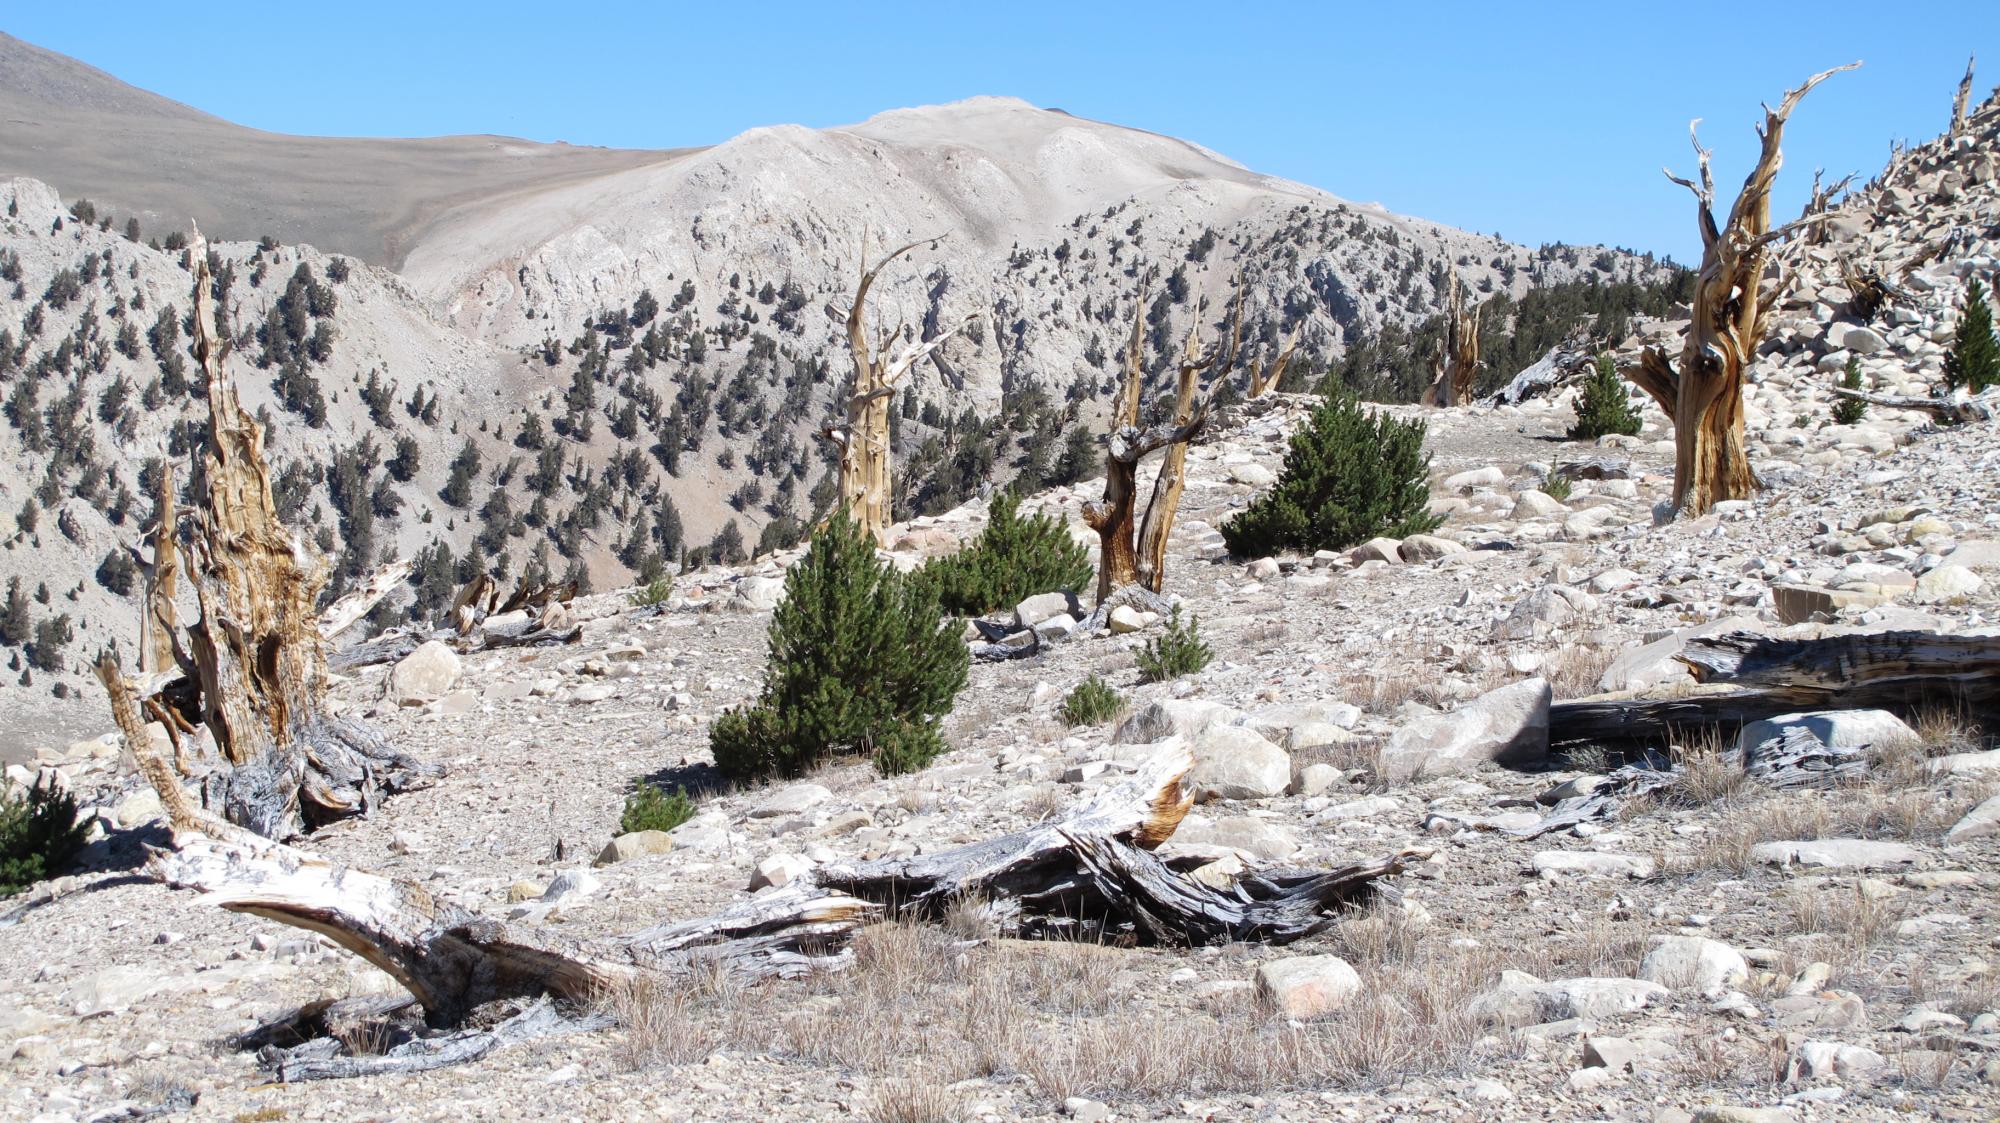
(1735, 955)
(626, 355)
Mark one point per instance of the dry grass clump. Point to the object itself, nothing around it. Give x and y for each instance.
(915, 1101)
(1711, 771)
(1362, 755)
(928, 1009)
(1575, 672)
(1847, 913)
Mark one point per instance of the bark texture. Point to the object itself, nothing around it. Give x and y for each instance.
(1457, 365)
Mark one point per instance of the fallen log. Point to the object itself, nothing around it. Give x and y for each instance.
(1902, 671)
(1952, 410)
(1794, 759)
(1091, 873)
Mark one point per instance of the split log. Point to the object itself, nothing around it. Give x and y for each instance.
(1703, 395)
(320, 1058)
(1090, 872)
(861, 434)
(1562, 364)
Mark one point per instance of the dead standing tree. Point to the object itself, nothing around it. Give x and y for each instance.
(1958, 102)
(862, 432)
(1132, 550)
(1703, 397)
(285, 765)
(157, 621)
(1457, 363)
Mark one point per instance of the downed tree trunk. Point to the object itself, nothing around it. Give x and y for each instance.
(355, 606)
(1900, 670)
(1090, 872)
(1957, 410)
(1794, 759)
(1703, 396)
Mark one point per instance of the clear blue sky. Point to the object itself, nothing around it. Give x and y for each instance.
(1543, 123)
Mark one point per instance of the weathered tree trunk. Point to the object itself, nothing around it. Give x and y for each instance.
(1271, 373)
(157, 622)
(862, 433)
(1953, 411)
(1111, 516)
(1964, 96)
(1133, 549)
(1172, 479)
(1704, 395)
(1090, 873)
(1457, 365)
(257, 654)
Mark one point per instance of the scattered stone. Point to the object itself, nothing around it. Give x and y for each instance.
(1837, 729)
(1837, 854)
(1681, 962)
(424, 675)
(777, 871)
(793, 799)
(1595, 863)
(1233, 762)
(1979, 822)
(638, 844)
(1508, 727)
(1306, 986)
(1947, 583)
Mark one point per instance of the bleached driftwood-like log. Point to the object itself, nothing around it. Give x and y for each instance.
(1089, 872)
(356, 605)
(1956, 410)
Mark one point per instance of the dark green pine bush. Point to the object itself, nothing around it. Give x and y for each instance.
(1350, 475)
(1178, 651)
(652, 808)
(1013, 559)
(39, 834)
(1848, 411)
(1092, 702)
(1605, 405)
(860, 663)
(1974, 361)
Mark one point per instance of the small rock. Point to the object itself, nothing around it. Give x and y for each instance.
(1508, 726)
(635, 845)
(1837, 854)
(1709, 966)
(424, 675)
(1601, 864)
(1979, 822)
(1306, 986)
(1947, 583)
(1234, 762)
(778, 870)
(570, 885)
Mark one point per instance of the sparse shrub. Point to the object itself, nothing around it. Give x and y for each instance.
(39, 834)
(1849, 411)
(1974, 361)
(1349, 476)
(1178, 651)
(117, 573)
(652, 593)
(650, 808)
(1014, 558)
(1605, 405)
(1092, 702)
(1557, 488)
(859, 663)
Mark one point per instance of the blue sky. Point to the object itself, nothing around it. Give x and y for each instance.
(1540, 123)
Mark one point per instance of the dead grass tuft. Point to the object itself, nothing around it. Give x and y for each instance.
(916, 1101)
(1575, 672)
(1711, 771)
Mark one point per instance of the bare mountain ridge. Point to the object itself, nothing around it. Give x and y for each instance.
(93, 136)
